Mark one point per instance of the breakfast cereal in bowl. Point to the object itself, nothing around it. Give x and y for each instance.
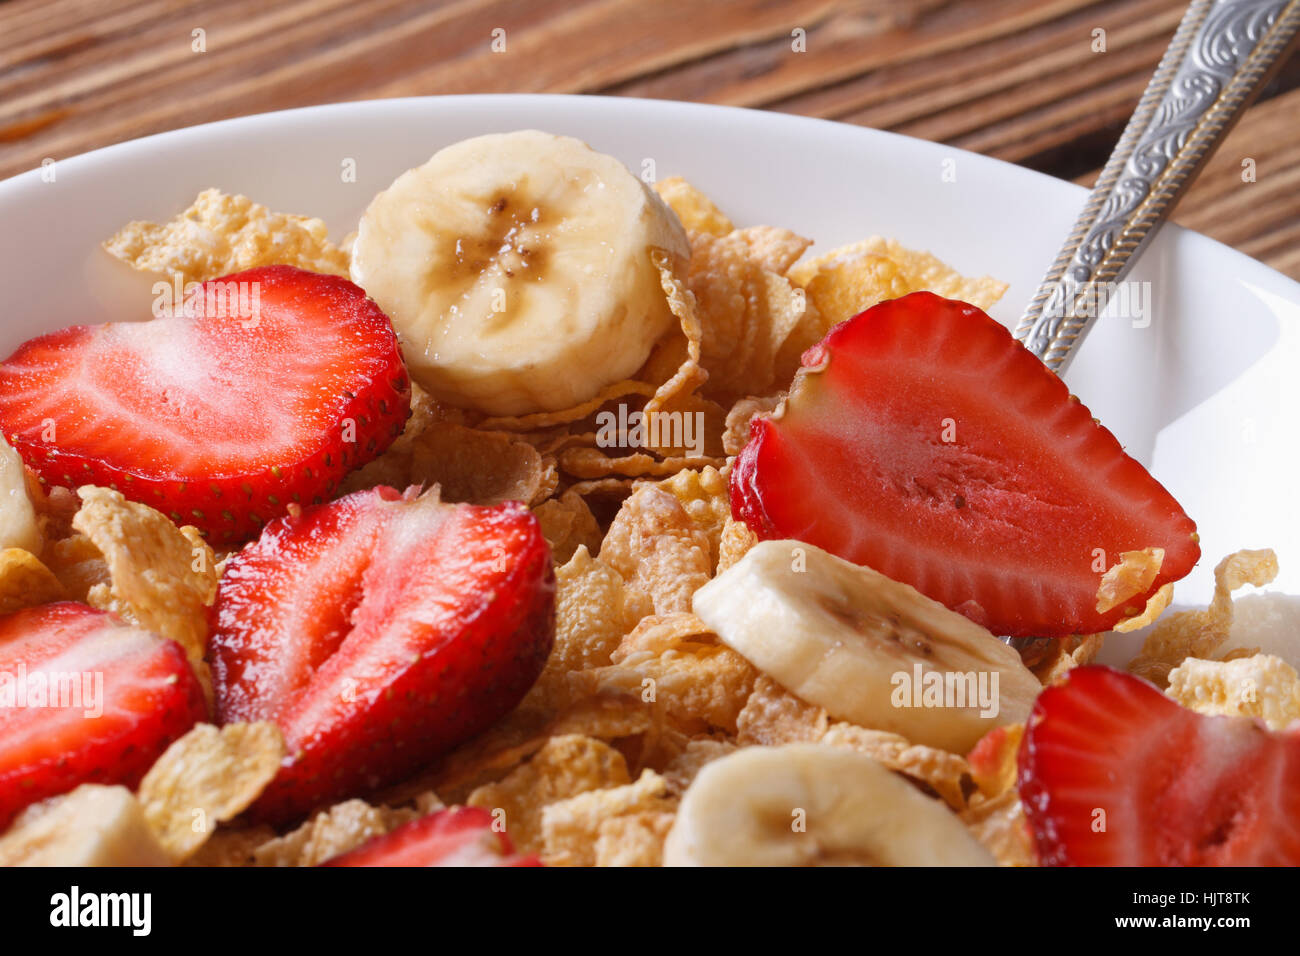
(551, 518)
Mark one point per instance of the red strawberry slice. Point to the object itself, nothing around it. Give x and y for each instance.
(922, 440)
(85, 699)
(460, 836)
(1114, 773)
(378, 631)
(220, 420)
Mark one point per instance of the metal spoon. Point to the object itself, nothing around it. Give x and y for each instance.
(1221, 56)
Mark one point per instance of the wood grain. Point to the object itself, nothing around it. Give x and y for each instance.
(1015, 79)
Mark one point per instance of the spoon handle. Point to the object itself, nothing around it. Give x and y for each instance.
(1222, 54)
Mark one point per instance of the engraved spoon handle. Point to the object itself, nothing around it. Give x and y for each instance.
(1222, 54)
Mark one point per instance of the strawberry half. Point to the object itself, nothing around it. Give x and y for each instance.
(1114, 773)
(85, 699)
(219, 420)
(378, 631)
(922, 440)
(459, 836)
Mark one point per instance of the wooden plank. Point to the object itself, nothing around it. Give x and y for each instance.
(1015, 79)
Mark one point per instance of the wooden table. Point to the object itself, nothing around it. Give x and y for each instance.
(1016, 79)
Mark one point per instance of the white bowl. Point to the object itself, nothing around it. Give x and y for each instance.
(1204, 395)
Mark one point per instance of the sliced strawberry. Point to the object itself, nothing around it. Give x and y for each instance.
(219, 420)
(922, 440)
(85, 699)
(1114, 773)
(459, 836)
(378, 631)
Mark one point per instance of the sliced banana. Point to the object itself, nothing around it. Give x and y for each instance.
(18, 527)
(517, 270)
(868, 649)
(91, 826)
(812, 805)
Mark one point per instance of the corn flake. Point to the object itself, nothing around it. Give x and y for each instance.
(26, 582)
(943, 772)
(736, 540)
(1066, 653)
(231, 846)
(680, 772)
(658, 549)
(332, 832)
(542, 420)
(993, 759)
(747, 311)
(678, 666)
(592, 463)
(206, 777)
(489, 756)
(162, 578)
(695, 210)
(79, 566)
(635, 839)
(675, 360)
(704, 496)
(220, 234)
(999, 823)
(1261, 686)
(735, 435)
(1132, 575)
(566, 766)
(568, 524)
(571, 828)
(853, 278)
(1155, 606)
(1200, 633)
(773, 716)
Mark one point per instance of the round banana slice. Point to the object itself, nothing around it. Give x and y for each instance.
(517, 270)
(868, 649)
(18, 528)
(93, 825)
(812, 805)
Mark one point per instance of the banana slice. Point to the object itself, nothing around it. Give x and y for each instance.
(17, 517)
(812, 805)
(517, 271)
(91, 826)
(868, 649)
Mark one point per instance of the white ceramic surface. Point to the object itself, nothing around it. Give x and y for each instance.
(1205, 395)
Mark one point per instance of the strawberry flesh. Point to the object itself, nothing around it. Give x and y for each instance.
(85, 699)
(218, 420)
(1114, 773)
(459, 836)
(922, 440)
(379, 631)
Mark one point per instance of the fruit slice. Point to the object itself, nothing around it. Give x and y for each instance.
(517, 269)
(220, 419)
(85, 699)
(459, 836)
(922, 440)
(378, 631)
(813, 805)
(91, 826)
(868, 649)
(1114, 773)
(17, 516)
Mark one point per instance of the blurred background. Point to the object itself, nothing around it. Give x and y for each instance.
(1044, 83)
